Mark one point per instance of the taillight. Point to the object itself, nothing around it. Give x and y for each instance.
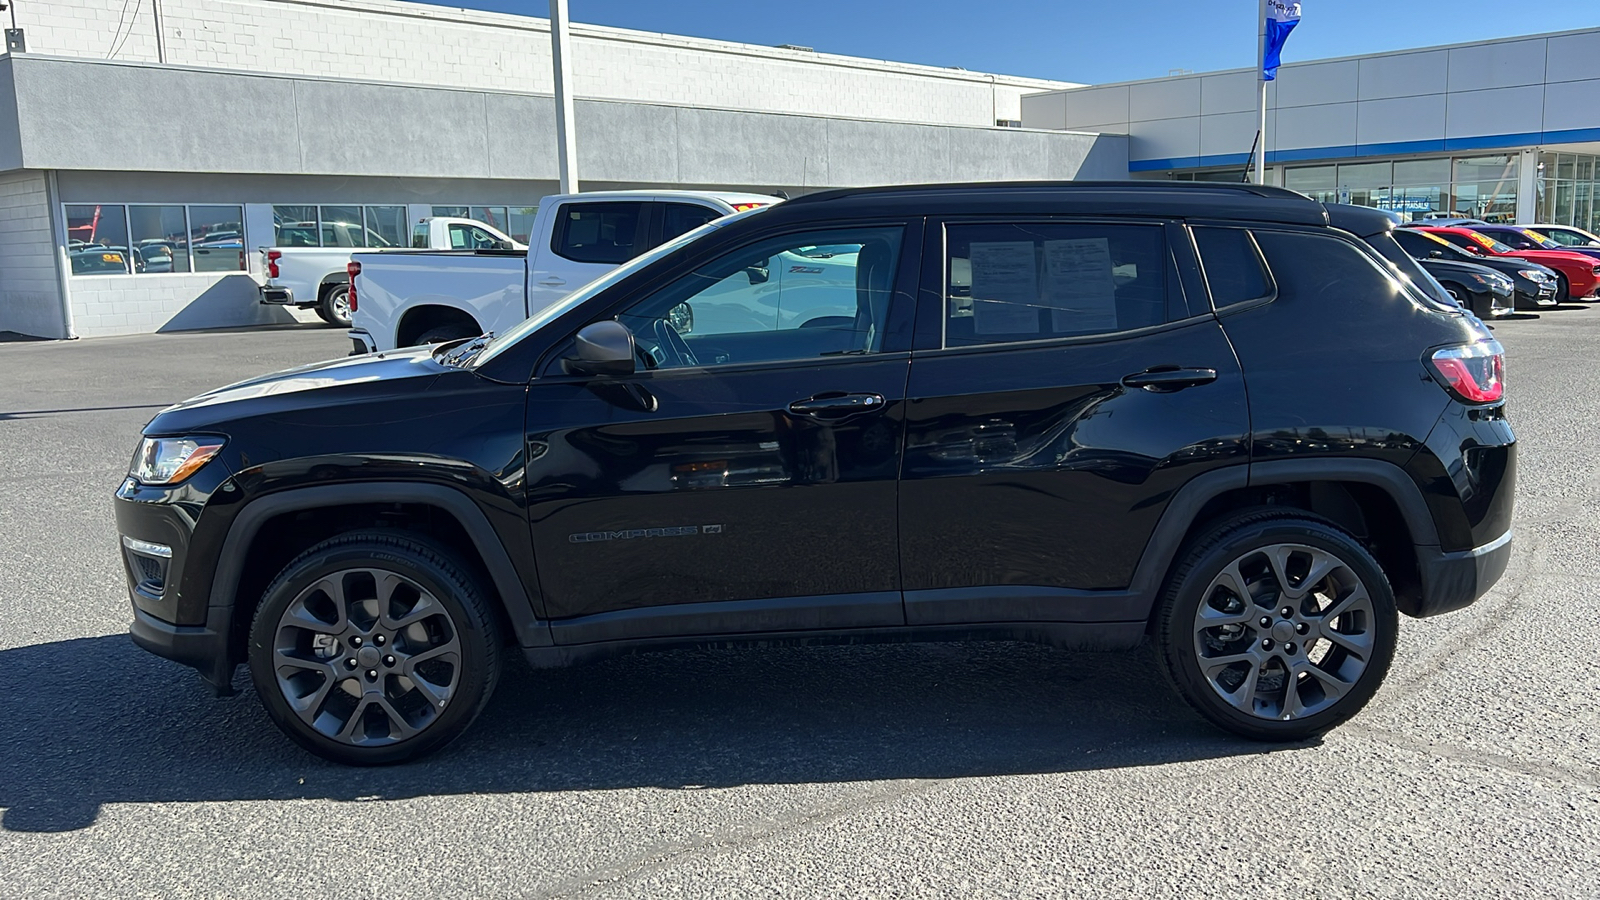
(272, 262)
(353, 269)
(1475, 373)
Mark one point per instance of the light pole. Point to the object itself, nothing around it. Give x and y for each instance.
(1261, 105)
(561, 60)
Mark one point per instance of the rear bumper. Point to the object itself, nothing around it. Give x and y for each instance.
(1451, 581)
(361, 342)
(276, 295)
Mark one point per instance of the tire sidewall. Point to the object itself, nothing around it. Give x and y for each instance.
(329, 309)
(473, 682)
(1177, 639)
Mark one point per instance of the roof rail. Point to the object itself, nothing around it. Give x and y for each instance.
(1258, 190)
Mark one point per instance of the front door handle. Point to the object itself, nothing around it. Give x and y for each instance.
(836, 405)
(1166, 379)
(552, 281)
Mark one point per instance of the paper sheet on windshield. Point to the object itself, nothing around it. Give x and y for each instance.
(1005, 288)
(1078, 285)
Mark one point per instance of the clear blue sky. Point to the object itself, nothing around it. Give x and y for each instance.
(1071, 40)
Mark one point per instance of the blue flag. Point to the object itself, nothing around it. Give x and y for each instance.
(1282, 17)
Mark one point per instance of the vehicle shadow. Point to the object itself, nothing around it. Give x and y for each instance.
(95, 721)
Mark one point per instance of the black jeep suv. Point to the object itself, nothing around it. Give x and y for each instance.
(1224, 418)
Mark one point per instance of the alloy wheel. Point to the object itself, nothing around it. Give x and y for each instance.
(367, 657)
(1284, 631)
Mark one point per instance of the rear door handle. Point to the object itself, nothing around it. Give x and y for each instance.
(836, 405)
(1166, 379)
(552, 281)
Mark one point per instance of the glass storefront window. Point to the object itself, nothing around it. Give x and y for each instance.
(341, 226)
(490, 215)
(294, 226)
(386, 226)
(454, 212)
(1566, 165)
(1422, 171)
(521, 222)
(216, 235)
(1311, 178)
(97, 239)
(1487, 168)
(1366, 175)
(160, 239)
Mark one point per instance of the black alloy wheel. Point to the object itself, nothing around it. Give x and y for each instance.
(1277, 625)
(373, 648)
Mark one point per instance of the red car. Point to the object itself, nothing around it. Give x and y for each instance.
(1579, 274)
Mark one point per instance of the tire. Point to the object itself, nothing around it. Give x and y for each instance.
(1563, 289)
(341, 675)
(334, 307)
(1301, 683)
(446, 333)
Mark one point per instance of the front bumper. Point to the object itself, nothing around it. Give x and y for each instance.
(1451, 581)
(201, 647)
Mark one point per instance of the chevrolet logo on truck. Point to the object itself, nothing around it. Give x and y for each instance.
(594, 537)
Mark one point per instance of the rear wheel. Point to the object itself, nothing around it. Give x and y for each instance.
(446, 333)
(335, 306)
(373, 648)
(1277, 626)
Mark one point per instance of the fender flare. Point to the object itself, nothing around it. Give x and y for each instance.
(1166, 540)
(530, 631)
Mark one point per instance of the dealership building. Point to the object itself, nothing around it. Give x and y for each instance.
(183, 132)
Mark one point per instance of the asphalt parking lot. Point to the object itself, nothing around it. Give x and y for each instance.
(982, 770)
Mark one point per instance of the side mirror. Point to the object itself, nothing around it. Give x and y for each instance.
(601, 348)
(505, 245)
(759, 273)
(1436, 254)
(681, 318)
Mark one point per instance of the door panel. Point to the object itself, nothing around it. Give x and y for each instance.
(699, 486)
(1060, 455)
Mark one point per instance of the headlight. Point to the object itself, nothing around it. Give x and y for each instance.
(1533, 275)
(171, 460)
(1485, 280)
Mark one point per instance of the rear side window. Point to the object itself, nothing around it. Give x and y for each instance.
(1233, 267)
(681, 218)
(599, 232)
(1033, 281)
(1312, 268)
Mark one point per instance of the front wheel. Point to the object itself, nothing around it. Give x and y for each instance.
(373, 648)
(1277, 626)
(335, 306)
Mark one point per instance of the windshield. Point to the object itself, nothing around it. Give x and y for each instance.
(1541, 239)
(514, 335)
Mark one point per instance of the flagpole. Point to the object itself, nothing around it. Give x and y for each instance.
(1261, 105)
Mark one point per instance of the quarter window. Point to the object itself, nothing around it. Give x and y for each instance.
(599, 232)
(1312, 268)
(1233, 266)
(1022, 282)
(804, 296)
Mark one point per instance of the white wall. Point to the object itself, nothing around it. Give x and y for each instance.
(412, 43)
(1515, 92)
(30, 291)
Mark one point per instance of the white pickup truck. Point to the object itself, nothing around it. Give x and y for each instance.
(404, 299)
(305, 272)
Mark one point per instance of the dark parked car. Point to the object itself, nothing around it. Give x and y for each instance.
(1535, 285)
(1205, 415)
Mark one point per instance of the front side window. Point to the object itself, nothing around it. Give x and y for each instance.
(599, 232)
(471, 237)
(216, 237)
(97, 239)
(679, 218)
(1024, 282)
(160, 239)
(803, 296)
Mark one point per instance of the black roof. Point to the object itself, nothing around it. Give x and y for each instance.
(1193, 199)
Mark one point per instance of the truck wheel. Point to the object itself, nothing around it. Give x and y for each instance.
(335, 306)
(446, 333)
(373, 648)
(1277, 626)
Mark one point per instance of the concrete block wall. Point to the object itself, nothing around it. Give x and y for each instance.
(139, 304)
(412, 43)
(1537, 90)
(30, 290)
